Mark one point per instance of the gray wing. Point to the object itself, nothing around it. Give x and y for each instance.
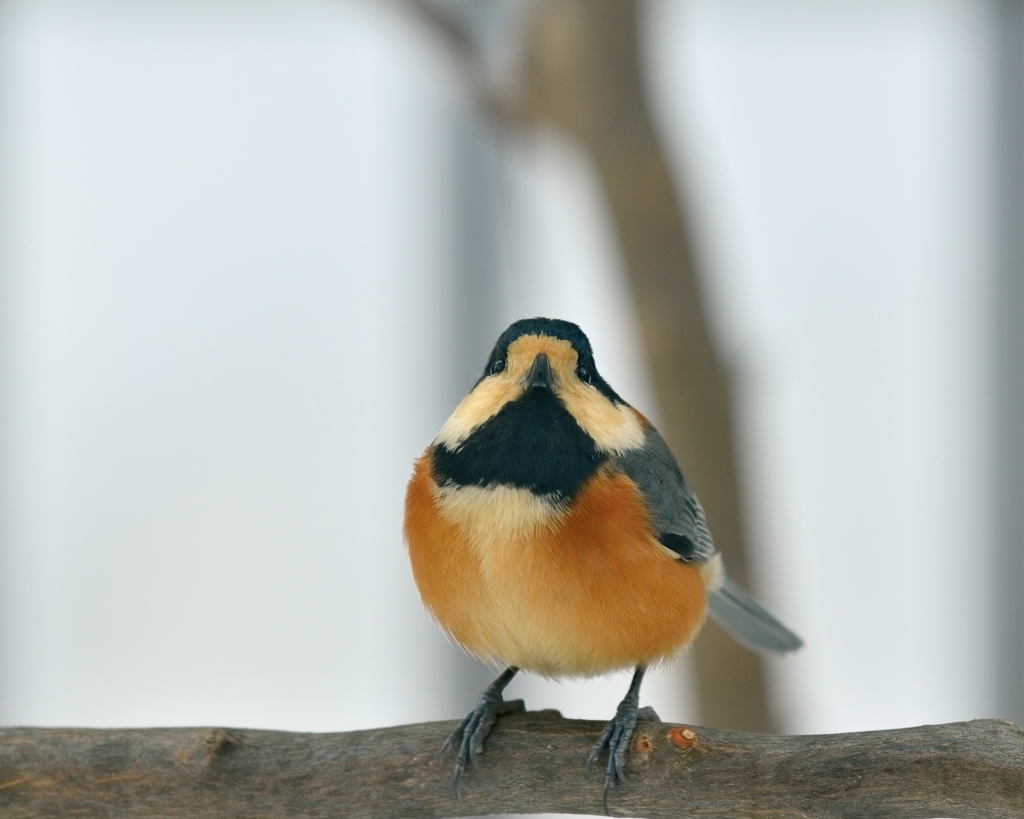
(681, 526)
(748, 622)
(674, 507)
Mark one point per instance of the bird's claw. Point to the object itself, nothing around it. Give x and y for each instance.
(615, 737)
(470, 734)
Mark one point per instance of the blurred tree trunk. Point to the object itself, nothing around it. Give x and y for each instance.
(583, 73)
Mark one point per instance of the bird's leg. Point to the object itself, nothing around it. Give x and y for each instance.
(617, 733)
(473, 730)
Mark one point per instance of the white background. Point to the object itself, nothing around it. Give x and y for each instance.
(228, 232)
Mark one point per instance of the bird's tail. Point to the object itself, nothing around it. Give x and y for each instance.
(748, 622)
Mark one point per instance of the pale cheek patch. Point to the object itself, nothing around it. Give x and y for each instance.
(615, 428)
(484, 402)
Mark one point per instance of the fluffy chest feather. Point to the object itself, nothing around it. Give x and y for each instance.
(555, 587)
(500, 522)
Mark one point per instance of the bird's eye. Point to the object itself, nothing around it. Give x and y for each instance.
(497, 366)
(583, 374)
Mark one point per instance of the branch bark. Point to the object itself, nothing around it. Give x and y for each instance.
(534, 763)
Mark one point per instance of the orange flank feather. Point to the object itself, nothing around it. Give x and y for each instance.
(561, 591)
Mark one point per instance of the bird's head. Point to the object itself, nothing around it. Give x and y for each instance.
(539, 371)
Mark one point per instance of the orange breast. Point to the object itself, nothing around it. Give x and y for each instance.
(587, 590)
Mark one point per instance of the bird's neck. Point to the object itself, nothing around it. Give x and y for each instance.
(533, 443)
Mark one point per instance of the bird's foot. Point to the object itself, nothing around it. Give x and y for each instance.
(473, 730)
(615, 737)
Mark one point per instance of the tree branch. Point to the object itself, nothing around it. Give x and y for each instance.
(533, 763)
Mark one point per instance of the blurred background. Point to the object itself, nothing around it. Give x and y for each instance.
(253, 253)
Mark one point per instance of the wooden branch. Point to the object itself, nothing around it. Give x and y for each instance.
(533, 763)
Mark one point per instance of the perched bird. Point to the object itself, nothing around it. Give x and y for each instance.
(551, 530)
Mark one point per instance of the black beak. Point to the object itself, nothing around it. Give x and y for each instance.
(540, 373)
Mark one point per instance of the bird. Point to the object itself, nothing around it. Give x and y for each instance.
(551, 530)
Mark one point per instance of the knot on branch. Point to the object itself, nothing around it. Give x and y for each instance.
(219, 742)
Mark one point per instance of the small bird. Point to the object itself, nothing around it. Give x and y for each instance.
(551, 530)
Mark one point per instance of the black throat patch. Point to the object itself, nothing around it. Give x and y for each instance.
(532, 443)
